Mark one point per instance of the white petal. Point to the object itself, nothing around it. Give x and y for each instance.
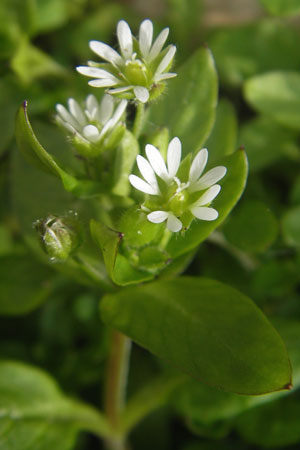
(91, 133)
(157, 216)
(158, 44)
(164, 64)
(204, 213)
(76, 111)
(119, 90)
(141, 93)
(103, 83)
(164, 76)
(208, 196)
(147, 171)
(95, 72)
(157, 162)
(106, 108)
(210, 178)
(174, 156)
(115, 118)
(66, 125)
(106, 52)
(198, 165)
(91, 105)
(125, 39)
(145, 37)
(66, 116)
(141, 185)
(173, 224)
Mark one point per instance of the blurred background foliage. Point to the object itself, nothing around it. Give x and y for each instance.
(49, 312)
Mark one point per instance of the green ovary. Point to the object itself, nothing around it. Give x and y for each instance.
(136, 73)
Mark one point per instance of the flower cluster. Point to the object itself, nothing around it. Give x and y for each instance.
(89, 126)
(171, 199)
(139, 70)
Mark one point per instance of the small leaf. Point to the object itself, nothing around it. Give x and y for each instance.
(233, 185)
(276, 94)
(118, 267)
(39, 157)
(282, 7)
(32, 405)
(291, 226)
(188, 107)
(207, 329)
(252, 228)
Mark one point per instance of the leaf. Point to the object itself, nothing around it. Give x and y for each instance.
(222, 140)
(205, 328)
(276, 94)
(188, 107)
(247, 50)
(118, 267)
(36, 414)
(252, 227)
(291, 226)
(267, 142)
(282, 7)
(233, 185)
(38, 156)
(125, 159)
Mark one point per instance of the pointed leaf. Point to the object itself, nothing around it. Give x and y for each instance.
(205, 328)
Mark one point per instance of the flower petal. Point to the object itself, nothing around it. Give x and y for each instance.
(198, 165)
(102, 83)
(125, 39)
(106, 52)
(91, 105)
(173, 223)
(141, 185)
(208, 196)
(106, 109)
(157, 162)
(91, 133)
(76, 111)
(66, 116)
(158, 44)
(204, 213)
(119, 90)
(141, 93)
(174, 156)
(95, 72)
(210, 178)
(157, 216)
(164, 76)
(145, 37)
(115, 118)
(165, 62)
(147, 171)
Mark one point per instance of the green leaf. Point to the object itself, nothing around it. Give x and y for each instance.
(244, 51)
(36, 414)
(252, 227)
(125, 159)
(188, 107)
(39, 157)
(276, 94)
(206, 329)
(222, 140)
(118, 267)
(233, 185)
(267, 142)
(282, 7)
(291, 226)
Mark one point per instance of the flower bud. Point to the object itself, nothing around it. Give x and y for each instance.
(60, 236)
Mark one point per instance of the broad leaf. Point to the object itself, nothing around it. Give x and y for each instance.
(233, 185)
(206, 329)
(36, 414)
(276, 94)
(39, 157)
(188, 107)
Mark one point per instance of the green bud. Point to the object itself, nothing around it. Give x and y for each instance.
(60, 236)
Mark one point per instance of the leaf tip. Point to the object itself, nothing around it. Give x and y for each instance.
(288, 387)
(205, 45)
(25, 104)
(242, 147)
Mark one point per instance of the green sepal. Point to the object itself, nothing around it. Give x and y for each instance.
(35, 153)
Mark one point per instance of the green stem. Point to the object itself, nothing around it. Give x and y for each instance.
(116, 384)
(139, 120)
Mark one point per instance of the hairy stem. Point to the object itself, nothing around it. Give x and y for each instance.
(116, 384)
(139, 120)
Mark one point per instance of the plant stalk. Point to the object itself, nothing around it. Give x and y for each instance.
(116, 384)
(139, 120)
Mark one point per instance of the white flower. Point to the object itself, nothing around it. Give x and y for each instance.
(91, 124)
(139, 66)
(174, 198)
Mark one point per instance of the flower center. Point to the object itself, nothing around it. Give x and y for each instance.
(136, 73)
